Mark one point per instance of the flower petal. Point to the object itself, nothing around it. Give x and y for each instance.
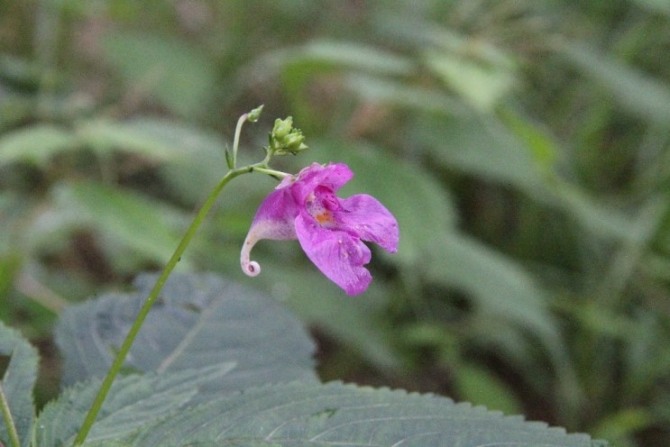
(279, 208)
(273, 220)
(338, 254)
(332, 176)
(366, 216)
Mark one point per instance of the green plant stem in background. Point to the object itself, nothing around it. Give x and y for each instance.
(8, 419)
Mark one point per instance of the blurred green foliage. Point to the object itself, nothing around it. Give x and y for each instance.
(523, 145)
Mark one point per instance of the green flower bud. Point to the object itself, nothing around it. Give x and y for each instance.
(282, 128)
(255, 114)
(294, 142)
(286, 139)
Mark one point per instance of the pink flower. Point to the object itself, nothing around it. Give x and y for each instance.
(330, 230)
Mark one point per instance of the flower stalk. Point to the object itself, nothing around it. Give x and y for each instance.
(199, 218)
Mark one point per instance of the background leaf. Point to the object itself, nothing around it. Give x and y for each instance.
(637, 92)
(481, 146)
(148, 229)
(157, 139)
(35, 144)
(503, 289)
(178, 75)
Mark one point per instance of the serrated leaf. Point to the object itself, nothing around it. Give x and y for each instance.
(18, 382)
(178, 407)
(133, 402)
(35, 144)
(343, 415)
(201, 320)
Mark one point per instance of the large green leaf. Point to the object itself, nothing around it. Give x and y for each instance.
(18, 381)
(200, 320)
(159, 410)
(133, 402)
(342, 415)
(206, 333)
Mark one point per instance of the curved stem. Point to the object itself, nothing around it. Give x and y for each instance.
(9, 420)
(236, 139)
(118, 361)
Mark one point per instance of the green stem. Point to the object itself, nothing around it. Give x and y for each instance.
(9, 420)
(271, 172)
(153, 295)
(236, 138)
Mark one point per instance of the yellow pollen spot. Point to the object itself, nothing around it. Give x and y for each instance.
(324, 218)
